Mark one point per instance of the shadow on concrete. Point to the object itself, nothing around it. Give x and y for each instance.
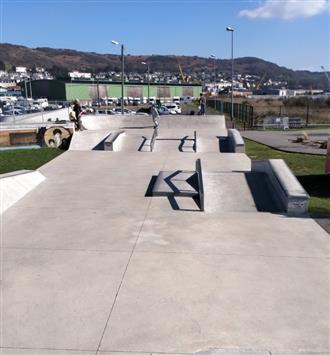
(175, 205)
(262, 193)
(144, 139)
(150, 187)
(100, 145)
(181, 147)
(324, 222)
(183, 140)
(223, 144)
(169, 182)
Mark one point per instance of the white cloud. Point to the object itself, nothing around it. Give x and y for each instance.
(287, 9)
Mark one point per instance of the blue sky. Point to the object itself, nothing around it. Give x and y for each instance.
(292, 33)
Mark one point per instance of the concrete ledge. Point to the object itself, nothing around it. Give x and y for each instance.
(111, 142)
(292, 196)
(15, 185)
(235, 141)
(174, 183)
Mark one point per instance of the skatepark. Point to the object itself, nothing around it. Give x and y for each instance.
(168, 241)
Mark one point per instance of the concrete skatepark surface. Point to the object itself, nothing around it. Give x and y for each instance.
(93, 266)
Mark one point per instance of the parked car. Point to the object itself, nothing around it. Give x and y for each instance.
(176, 99)
(51, 107)
(173, 108)
(117, 111)
(162, 110)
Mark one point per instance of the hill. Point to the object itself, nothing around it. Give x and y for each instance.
(59, 61)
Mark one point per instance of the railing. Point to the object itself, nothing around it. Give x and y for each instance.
(195, 142)
(200, 184)
(242, 113)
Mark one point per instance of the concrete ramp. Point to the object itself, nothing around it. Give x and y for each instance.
(15, 185)
(88, 140)
(239, 192)
(96, 122)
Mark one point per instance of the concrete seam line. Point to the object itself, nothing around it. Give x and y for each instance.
(122, 280)
(126, 268)
(142, 352)
(105, 251)
(51, 349)
(64, 249)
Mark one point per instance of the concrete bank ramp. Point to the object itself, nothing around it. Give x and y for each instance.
(239, 192)
(15, 185)
(88, 140)
(96, 122)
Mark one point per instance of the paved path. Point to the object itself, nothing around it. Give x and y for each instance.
(283, 140)
(92, 266)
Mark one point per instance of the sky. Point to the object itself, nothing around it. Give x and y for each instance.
(290, 33)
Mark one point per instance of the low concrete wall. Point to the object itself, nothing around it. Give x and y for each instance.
(235, 141)
(292, 196)
(15, 185)
(112, 143)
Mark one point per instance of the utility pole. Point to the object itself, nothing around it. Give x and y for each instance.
(229, 29)
(98, 93)
(122, 79)
(122, 74)
(144, 63)
(30, 87)
(25, 88)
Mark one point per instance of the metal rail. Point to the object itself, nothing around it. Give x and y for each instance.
(195, 141)
(200, 184)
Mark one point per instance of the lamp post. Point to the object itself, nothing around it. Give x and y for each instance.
(122, 74)
(144, 63)
(230, 29)
(215, 64)
(25, 87)
(31, 86)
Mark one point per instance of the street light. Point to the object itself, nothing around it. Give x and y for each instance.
(144, 63)
(122, 74)
(215, 65)
(230, 29)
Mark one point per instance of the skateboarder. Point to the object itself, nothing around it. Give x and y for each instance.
(78, 112)
(155, 116)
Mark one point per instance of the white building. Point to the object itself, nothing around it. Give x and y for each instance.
(21, 70)
(80, 75)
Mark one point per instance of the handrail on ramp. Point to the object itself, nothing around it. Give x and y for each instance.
(200, 184)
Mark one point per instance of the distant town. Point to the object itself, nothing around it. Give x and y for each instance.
(13, 82)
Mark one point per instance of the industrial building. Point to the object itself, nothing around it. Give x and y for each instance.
(89, 90)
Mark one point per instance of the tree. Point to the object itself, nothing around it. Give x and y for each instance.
(59, 72)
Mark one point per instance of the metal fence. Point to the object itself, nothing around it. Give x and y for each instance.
(242, 113)
(253, 115)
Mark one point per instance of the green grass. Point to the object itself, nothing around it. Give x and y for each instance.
(30, 159)
(309, 170)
